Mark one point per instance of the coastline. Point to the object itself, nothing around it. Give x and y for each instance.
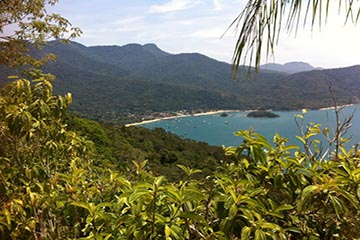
(212, 112)
(183, 115)
(341, 106)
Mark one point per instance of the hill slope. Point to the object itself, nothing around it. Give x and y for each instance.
(122, 84)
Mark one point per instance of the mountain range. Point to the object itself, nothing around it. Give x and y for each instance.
(124, 83)
(289, 68)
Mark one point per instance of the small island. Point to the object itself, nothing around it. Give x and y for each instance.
(224, 114)
(262, 114)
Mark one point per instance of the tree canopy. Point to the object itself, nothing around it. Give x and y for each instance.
(27, 22)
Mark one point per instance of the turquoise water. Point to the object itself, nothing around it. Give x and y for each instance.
(217, 130)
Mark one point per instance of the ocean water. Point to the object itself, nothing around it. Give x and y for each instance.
(217, 130)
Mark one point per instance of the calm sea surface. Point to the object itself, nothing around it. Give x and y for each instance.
(217, 130)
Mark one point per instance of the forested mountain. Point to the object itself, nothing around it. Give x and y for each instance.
(121, 84)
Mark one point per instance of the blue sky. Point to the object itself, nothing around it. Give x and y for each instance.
(178, 26)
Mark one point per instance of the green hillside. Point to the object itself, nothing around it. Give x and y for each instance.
(119, 146)
(124, 84)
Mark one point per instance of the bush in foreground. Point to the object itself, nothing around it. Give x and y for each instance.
(49, 188)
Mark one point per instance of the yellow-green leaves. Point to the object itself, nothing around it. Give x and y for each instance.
(34, 25)
(38, 146)
(188, 171)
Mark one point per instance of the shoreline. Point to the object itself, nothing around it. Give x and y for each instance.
(341, 106)
(182, 116)
(221, 111)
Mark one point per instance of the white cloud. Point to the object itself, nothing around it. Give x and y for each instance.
(130, 24)
(186, 22)
(212, 33)
(218, 5)
(129, 20)
(172, 6)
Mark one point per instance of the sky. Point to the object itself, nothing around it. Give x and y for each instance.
(187, 26)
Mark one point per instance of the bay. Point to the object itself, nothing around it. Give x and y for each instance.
(217, 130)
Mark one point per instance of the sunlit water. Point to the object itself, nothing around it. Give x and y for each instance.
(218, 130)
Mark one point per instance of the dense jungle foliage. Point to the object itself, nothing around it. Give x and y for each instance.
(55, 184)
(63, 177)
(119, 146)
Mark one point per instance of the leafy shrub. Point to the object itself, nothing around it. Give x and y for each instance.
(50, 188)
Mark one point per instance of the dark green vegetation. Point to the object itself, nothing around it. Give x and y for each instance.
(120, 146)
(262, 114)
(112, 83)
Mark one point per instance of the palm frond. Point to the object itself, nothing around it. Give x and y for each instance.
(261, 22)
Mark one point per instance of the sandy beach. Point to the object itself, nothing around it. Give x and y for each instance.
(180, 116)
(341, 106)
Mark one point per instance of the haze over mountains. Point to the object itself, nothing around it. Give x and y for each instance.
(289, 68)
(112, 83)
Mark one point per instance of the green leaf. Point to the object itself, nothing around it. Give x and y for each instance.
(188, 171)
(138, 194)
(245, 233)
(176, 231)
(8, 216)
(355, 172)
(173, 194)
(167, 231)
(301, 139)
(306, 193)
(351, 198)
(246, 163)
(233, 195)
(284, 207)
(325, 132)
(293, 229)
(272, 226)
(108, 236)
(159, 180)
(184, 168)
(82, 205)
(260, 235)
(193, 194)
(104, 204)
(193, 216)
(233, 211)
(337, 206)
(160, 218)
(278, 181)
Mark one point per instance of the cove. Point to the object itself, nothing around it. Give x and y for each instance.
(218, 130)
